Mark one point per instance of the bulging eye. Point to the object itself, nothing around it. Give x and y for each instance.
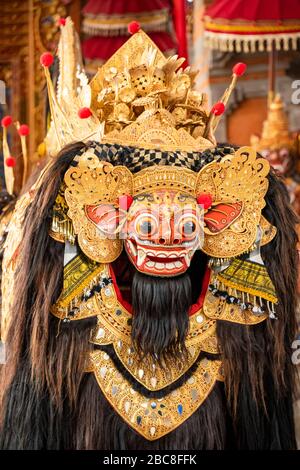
(188, 228)
(146, 225)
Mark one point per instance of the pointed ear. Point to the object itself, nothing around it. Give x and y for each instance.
(106, 217)
(222, 216)
(237, 178)
(92, 187)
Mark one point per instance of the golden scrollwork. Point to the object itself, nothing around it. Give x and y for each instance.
(153, 418)
(241, 178)
(219, 309)
(95, 182)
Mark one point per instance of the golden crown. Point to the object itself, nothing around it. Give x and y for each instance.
(138, 98)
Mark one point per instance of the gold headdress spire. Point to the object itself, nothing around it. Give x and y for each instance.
(9, 160)
(138, 98)
(73, 93)
(275, 133)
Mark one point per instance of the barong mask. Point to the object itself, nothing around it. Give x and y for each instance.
(162, 212)
(150, 186)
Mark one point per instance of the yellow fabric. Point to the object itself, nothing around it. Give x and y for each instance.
(249, 277)
(78, 274)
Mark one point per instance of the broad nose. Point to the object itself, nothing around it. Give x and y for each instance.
(166, 231)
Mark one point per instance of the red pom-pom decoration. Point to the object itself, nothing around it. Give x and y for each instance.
(218, 108)
(125, 202)
(84, 113)
(62, 21)
(239, 69)
(10, 161)
(133, 27)
(23, 130)
(46, 59)
(204, 200)
(6, 121)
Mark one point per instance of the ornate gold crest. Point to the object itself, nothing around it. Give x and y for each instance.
(139, 98)
(240, 178)
(93, 182)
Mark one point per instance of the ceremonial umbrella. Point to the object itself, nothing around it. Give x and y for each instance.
(250, 26)
(105, 27)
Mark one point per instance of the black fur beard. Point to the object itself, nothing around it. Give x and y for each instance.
(160, 315)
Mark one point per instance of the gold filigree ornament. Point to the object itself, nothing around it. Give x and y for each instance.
(94, 182)
(151, 417)
(241, 178)
(134, 99)
(114, 327)
(268, 231)
(154, 418)
(219, 309)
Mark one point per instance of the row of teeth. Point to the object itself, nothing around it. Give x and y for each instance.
(141, 256)
(168, 266)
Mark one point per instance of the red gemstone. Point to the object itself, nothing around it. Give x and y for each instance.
(218, 109)
(62, 21)
(23, 130)
(6, 121)
(239, 69)
(125, 202)
(84, 113)
(46, 59)
(204, 200)
(134, 27)
(10, 161)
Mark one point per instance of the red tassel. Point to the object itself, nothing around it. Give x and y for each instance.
(125, 202)
(46, 59)
(134, 27)
(61, 21)
(239, 69)
(23, 130)
(6, 121)
(218, 108)
(204, 200)
(84, 113)
(10, 161)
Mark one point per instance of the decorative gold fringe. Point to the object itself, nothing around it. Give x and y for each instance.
(98, 29)
(73, 300)
(227, 42)
(117, 25)
(62, 230)
(237, 290)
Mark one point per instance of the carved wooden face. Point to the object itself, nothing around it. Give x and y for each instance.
(163, 231)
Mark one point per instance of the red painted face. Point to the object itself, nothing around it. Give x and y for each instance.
(163, 232)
